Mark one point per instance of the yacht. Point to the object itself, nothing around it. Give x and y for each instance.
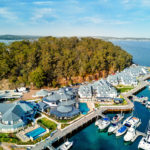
(148, 104)
(121, 130)
(113, 127)
(131, 133)
(65, 146)
(145, 141)
(132, 121)
(105, 122)
(117, 118)
(98, 122)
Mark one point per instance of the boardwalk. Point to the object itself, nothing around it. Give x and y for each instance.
(141, 85)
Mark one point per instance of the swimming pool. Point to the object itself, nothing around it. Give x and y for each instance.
(35, 133)
(83, 108)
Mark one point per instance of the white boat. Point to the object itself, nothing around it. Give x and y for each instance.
(98, 122)
(65, 146)
(131, 133)
(117, 118)
(132, 121)
(145, 141)
(121, 130)
(113, 127)
(148, 104)
(105, 122)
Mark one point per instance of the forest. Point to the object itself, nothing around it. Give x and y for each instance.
(49, 60)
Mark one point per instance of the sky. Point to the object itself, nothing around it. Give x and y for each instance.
(118, 18)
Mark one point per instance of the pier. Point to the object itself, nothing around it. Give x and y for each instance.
(138, 133)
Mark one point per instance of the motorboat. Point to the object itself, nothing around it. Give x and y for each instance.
(132, 121)
(145, 141)
(113, 127)
(117, 118)
(105, 122)
(65, 146)
(121, 130)
(131, 133)
(144, 102)
(98, 122)
(148, 104)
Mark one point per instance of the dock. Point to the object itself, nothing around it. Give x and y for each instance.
(78, 124)
(138, 133)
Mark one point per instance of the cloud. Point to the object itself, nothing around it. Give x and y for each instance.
(7, 14)
(43, 2)
(43, 14)
(94, 20)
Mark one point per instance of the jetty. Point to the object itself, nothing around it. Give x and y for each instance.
(138, 133)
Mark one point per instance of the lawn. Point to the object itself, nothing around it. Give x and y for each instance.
(122, 89)
(48, 123)
(8, 137)
(64, 125)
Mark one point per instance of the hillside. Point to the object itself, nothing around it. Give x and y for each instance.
(51, 61)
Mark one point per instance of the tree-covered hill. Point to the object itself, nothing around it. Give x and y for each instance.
(49, 60)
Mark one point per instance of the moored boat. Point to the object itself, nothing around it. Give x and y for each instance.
(65, 146)
(145, 141)
(148, 104)
(121, 130)
(131, 133)
(132, 121)
(113, 127)
(117, 118)
(105, 122)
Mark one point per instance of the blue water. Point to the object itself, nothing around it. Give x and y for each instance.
(83, 108)
(35, 133)
(140, 50)
(90, 138)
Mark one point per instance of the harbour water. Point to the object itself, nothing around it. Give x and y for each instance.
(90, 138)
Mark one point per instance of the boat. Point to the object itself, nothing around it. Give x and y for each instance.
(121, 130)
(113, 127)
(148, 104)
(117, 118)
(131, 133)
(65, 146)
(132, 121)
(145, 141)
(144, 102)
(98, 122)
(105, 122)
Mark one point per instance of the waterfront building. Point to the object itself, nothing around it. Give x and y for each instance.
(100, 88)
(41, 93)
(85, 91)
(63, 103)
(10, 94)
(14, 116)
(65, 112)
(128, 76)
